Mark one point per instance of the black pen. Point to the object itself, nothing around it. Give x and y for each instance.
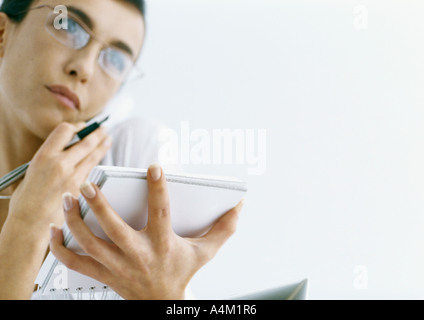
(18, 173)
(85, 132)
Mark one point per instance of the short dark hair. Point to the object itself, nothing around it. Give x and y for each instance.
(17, 9)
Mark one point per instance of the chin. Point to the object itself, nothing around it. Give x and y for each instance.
(43, 126)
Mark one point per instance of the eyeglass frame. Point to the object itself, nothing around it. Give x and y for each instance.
(92, 37)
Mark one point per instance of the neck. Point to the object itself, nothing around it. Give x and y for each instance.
(18, 145)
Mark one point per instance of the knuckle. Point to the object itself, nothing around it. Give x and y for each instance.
(90, 247)
(121, 235)
(90, 142)
(161, 190)
(161, 213)
(41, 158)
(93, 159)
(65, 127)
(165, 246)
(158, 187)
(74, 182)
(99, 205)
(60, 168)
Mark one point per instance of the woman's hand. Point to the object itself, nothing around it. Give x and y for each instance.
(153, 263)
(36, 203)
(54, 171)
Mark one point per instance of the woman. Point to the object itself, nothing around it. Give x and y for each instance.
(52, 80)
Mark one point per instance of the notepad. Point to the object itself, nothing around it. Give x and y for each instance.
(196, 202)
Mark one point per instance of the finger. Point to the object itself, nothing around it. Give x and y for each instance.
(82, 264)
(112, 224)
(159, 215)
(86, 146)
(61, 135)
(94, 246)
(220, 232)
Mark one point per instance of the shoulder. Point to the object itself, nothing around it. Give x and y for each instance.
(137, 143)
(138, 127)
(124, 125)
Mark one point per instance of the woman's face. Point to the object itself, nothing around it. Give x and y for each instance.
(32, 61)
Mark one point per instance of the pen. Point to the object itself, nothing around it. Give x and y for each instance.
(18, 173)
(85, 132)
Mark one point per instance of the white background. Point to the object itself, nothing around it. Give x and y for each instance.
(342, 199)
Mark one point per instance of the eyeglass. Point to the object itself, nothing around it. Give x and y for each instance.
(75, 34)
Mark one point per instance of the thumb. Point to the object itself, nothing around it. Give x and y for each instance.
(221, 231)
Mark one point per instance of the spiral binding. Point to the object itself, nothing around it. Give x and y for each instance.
(80, 293)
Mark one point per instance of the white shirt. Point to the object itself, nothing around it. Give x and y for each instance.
(135, 144)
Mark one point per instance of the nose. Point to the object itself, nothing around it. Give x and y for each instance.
(82, 64)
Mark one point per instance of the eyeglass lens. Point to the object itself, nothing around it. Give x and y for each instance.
(70, 33)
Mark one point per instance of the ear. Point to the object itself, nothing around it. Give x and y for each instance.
(4, 24)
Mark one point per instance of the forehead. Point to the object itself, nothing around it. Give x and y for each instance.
(110, 20)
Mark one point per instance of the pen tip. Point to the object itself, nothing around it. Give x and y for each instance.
(106, 119)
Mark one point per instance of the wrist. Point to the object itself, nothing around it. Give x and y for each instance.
(36, 233)
(32, 216)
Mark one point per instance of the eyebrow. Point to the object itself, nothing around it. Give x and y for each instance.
(82, 15)
(121, 45)
(89, 23)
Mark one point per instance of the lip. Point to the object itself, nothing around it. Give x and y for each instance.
(66, 96)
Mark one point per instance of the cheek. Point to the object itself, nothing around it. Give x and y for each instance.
(98, 96)
(26, 64)
(17, 79)
(23, 74)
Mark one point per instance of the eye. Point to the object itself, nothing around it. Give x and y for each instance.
(76, 34)
(115, 60)
(67, 31)
(72, 26)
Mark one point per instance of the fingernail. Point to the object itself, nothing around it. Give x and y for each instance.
(87, 190)
(155, 172)
(67, 201)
